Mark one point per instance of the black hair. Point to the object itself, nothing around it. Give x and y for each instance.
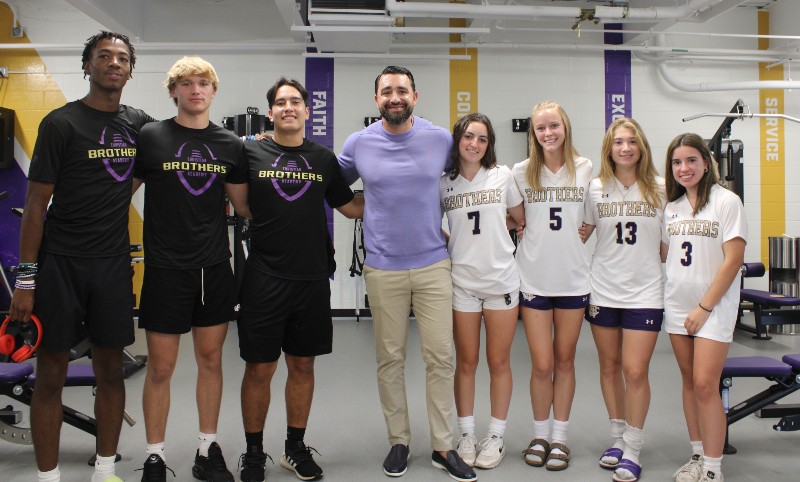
(92, 42)
(290, 82)
(393, 69)
(489, 159)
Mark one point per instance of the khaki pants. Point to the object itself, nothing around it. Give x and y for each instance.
(391, 294)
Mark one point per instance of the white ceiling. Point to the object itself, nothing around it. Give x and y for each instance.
(242, 23)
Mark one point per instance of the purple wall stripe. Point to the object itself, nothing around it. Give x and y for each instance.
(618, 77)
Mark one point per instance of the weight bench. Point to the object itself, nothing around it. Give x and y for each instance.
(769, 308)
(17, 381)
(785, 375)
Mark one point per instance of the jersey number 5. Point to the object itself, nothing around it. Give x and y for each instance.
(475, 216)
(555, 219)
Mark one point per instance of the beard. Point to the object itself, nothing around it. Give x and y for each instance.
(397, 118)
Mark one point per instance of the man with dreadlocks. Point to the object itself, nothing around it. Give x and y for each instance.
(76, 261)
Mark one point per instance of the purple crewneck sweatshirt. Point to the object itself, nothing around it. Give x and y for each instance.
(402, 217)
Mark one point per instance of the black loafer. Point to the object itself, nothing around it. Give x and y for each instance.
(454, 466)
(396, 462)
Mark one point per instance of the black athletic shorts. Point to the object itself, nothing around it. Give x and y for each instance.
(80, 297)
(175, 300)
(280, 314)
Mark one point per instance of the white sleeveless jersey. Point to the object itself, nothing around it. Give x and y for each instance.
(626, 264)
(551, 258)
(481, 250)
(695, 256)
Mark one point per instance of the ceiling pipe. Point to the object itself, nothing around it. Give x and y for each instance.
(484, 11)
(685, 12)
(461, 10)
(232, 47)
(724, 86)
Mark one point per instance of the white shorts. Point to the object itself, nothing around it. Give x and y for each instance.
(469, 301)
(715, 328)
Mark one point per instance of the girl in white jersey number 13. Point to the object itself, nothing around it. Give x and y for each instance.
(626, 309)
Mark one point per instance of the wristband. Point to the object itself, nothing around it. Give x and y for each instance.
(703, 308)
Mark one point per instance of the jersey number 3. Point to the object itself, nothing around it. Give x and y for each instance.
(475, 216)
(687, 255)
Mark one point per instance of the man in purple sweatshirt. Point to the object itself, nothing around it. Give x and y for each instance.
(400, 161)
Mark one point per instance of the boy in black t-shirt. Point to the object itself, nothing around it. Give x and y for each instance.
(187, 164)
(77, 260)
(285, 294)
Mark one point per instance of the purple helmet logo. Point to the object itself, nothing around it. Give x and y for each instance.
(119, 140)
(296, 186)
(195, 181)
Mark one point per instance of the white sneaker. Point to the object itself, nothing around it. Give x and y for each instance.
(467, 448)
(491, 453)
(691, 471)
(712, 477)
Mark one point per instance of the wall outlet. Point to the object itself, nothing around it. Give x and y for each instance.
(3, 72)
(17, 32)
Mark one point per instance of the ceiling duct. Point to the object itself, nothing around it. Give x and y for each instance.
(345, 14)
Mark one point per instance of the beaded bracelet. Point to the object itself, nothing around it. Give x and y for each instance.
(25, 285)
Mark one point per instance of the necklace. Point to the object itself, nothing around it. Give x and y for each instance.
(628, 190)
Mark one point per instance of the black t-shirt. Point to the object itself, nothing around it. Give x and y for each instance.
(288, 187)
(185, 171)
(88, 154)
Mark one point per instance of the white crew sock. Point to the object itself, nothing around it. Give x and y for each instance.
(634, 439)
(466, 424)
(50, 476)
(497, 427)
(103, 467)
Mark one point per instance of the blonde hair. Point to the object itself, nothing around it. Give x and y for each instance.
(536, 163)
(187, 67)
(645, 170)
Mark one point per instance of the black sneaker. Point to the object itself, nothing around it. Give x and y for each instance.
(298, 459)
(154, 469)
(211, 468)
(396, 463)
(454, 466)
(251, 465)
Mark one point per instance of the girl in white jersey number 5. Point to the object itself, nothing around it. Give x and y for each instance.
(554, 276)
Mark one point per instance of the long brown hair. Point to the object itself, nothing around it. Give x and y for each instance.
(709, 179)
(569, 152)
(645, 170)
(489, 159)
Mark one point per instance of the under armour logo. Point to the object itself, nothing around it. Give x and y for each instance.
(649, 322)
(585, 298)
(449, 189)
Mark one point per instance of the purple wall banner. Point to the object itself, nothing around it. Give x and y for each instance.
(618, 77)
(319, 126)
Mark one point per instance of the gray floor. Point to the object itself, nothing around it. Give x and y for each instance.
(347, 427)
